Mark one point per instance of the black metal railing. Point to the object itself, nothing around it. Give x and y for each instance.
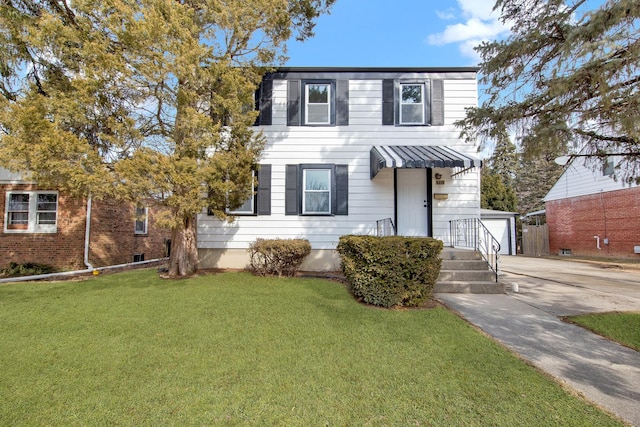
(385, 227)
(471, 233)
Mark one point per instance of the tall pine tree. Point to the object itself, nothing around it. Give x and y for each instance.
(567, 74)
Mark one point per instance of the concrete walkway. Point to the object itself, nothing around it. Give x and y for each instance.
(527, 322)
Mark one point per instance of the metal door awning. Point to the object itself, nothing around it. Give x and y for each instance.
(419, 156)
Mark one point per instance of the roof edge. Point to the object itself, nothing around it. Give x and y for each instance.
(377, 69)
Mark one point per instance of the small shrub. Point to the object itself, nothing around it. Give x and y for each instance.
(391, 271)
(278, 257)
(28, 269)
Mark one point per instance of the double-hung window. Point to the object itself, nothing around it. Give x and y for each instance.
(142, 220)
(316, 188)
(31, 212)
(259, 202)
(247, 208)
(412, 104)
(317, 103)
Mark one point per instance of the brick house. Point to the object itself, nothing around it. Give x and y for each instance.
(590, 213)
(46, 226)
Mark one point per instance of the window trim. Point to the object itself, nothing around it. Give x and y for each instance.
(144, 221)
(331, 105)
(308, 103)
(401, 86)
(32, 226)
(330, 174)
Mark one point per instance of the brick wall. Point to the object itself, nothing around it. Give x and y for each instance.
(573, 223)
(63, 249)
(113, 240)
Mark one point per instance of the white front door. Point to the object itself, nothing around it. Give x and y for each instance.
(412, 206)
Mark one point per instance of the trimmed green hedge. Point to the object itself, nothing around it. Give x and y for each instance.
(391, 271)
(278, 257)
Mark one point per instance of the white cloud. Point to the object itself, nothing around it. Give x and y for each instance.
(446, 15)
(477, 9)
(474, 28)
(480, 24)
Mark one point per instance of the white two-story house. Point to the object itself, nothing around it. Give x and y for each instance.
(349, 150)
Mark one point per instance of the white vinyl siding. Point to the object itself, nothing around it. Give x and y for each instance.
(584, 176)
(369, 200)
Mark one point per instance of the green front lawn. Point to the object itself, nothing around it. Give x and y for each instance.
(233, 349)
(621, 327)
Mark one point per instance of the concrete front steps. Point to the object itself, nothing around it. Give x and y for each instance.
(464, 271)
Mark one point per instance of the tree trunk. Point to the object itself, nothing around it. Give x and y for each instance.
(184, 251)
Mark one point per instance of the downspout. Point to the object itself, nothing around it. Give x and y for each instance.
(87, 233)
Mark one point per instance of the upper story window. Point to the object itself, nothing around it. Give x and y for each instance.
(412, 104)
(142, 220)
(31, 212)
(317, 103)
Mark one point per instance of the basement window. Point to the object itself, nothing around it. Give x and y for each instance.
(565, 251)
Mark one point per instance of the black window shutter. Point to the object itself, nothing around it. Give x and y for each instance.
(342, 190)
(265, 93)
(437, 102)
(264, 190)
(388, 90)
(291, 205)
(293, 103)
(342, 102)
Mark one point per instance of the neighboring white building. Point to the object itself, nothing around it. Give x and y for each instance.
(347, 147)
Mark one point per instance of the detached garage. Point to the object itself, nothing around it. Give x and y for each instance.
(502, 225)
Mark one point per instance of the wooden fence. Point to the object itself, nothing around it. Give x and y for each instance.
(535, 240)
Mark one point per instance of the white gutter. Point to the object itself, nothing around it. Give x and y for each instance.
(87, 233)
(75, 272)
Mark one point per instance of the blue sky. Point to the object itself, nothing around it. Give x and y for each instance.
(400, 33)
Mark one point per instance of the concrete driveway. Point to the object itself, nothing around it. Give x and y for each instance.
(528, 323)
(565, 287)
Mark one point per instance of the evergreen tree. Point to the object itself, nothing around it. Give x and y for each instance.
(146, 99)
(536, 175)
(495, 194)
(566, 74)
(504, 160)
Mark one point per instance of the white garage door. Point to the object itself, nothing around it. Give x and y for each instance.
(500, 230)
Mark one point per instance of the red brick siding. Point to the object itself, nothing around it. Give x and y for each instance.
(112, 241)
(63, 249)
(573, 223)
